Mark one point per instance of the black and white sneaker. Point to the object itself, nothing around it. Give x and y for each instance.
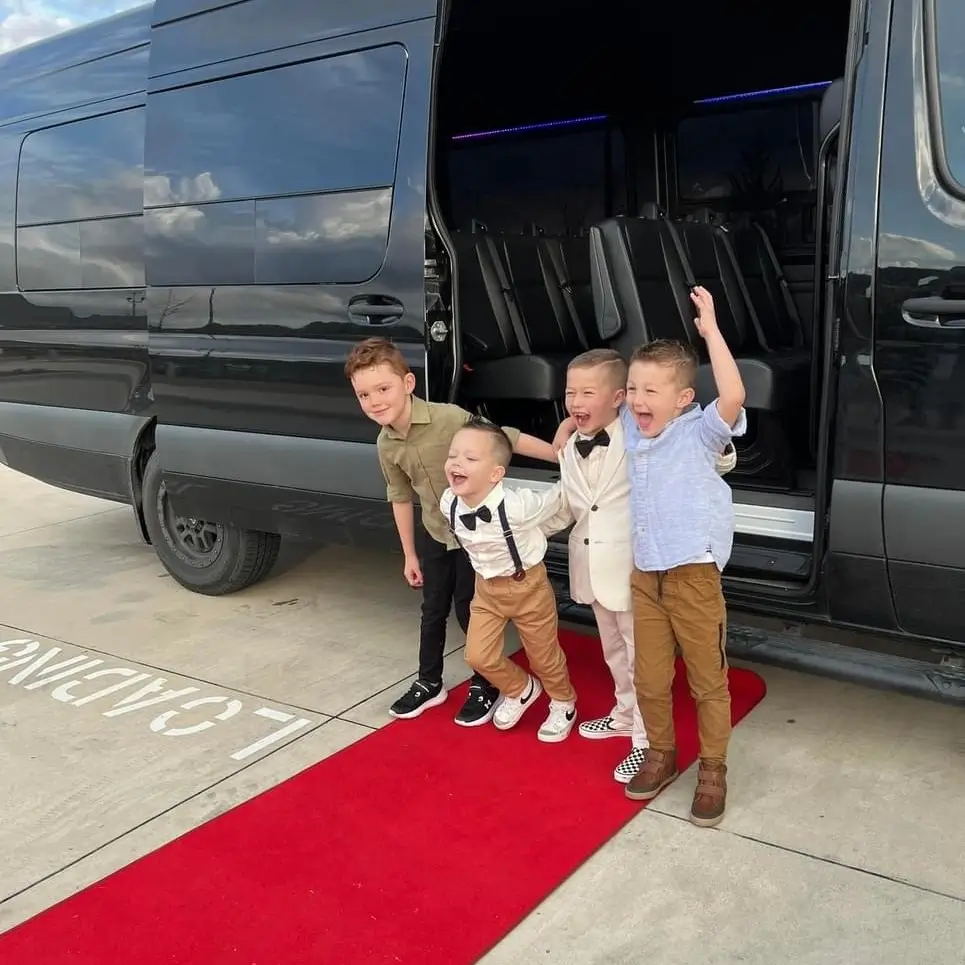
(559, 722)
(479, 707)
(512, 708)
(419, 697)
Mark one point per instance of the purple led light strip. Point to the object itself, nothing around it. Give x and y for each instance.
(596, 118)
(770, 92)
(544, 126)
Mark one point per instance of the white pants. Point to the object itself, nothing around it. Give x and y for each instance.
(616, 637)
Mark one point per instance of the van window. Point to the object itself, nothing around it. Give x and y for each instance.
(950, 41)
(752, 157)
(79, 197)
(557, 181)
(283, 176)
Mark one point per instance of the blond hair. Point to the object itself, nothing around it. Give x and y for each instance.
(668, 353)
(612, 361)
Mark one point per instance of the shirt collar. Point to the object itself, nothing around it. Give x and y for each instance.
(609, 430)
(495, 497)
(420, 416)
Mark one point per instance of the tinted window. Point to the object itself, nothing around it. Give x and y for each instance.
(319, 126)
(262, 179)
(753, 156)
(81, 254)
(87, 169)
(79, 200)
(950, 38)
(556, 181)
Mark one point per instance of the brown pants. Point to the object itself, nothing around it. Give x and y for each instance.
(682, 606)
(531, 605)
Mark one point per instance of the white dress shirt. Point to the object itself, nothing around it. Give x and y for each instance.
(531, 516)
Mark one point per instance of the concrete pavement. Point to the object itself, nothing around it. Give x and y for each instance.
(844, 839)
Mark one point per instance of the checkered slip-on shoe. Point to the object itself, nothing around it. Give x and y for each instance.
(629, 766)
(602, 728)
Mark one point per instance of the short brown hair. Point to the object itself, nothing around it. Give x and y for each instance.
(502, 446)
(616, 366)
(677, 355)
(373, 352)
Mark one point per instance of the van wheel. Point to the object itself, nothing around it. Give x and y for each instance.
(206, 557)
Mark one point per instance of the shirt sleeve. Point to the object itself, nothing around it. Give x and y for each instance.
(714, 433)
(562, 514)
(529, 508)
(445, 504)
(631, 431)
(398, 486)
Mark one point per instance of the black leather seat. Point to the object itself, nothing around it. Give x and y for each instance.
(534, 279)
(641, 286)
(638, 284)
(570, 259)
(771, 308)
(767, 286)
(497, 350)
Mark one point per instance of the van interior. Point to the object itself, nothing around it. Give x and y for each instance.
(594, 160)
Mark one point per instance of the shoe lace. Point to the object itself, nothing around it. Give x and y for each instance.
(557, 716)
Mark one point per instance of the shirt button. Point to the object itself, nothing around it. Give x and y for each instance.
(593, 509)
(586, 542)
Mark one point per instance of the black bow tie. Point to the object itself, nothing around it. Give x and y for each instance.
(585, 446)
(469, 519)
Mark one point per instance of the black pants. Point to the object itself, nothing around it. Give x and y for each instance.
(448, 580)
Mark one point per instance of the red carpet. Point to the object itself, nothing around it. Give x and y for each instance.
(423, 844)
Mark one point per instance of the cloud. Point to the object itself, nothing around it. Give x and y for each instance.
(27, 21)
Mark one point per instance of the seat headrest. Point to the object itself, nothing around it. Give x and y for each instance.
(702, 216)
(652, 211)
(832, 106)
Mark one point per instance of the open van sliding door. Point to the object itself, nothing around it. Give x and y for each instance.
(920, 316)
(285, 199)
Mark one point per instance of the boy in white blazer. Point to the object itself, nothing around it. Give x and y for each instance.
(596, 490)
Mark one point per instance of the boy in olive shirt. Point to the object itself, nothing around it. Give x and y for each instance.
(413, 446)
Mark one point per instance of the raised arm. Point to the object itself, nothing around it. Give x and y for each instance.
(727, 377)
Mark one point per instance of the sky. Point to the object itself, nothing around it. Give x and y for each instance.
(24, 21)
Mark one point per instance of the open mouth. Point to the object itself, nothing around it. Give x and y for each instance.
(581, 419)
(644, 420)
(456, 479)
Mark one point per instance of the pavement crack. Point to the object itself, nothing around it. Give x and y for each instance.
(823, 859)
(163, 813)
(59, 522)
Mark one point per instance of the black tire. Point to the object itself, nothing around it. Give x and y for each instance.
(209, 558)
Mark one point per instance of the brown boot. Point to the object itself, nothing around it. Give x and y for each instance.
(710, 798)
(659, 768)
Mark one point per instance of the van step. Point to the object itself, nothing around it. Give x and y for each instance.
(882, 671)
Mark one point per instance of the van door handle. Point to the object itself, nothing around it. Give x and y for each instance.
(375, 309)
(932, 311)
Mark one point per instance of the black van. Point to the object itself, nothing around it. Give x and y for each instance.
(204, 204)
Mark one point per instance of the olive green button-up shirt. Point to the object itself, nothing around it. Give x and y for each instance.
(414, 464)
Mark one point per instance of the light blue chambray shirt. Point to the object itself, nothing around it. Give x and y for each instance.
(682, 509)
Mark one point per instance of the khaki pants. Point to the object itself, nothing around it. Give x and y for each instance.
(531, 605)
(682, 606)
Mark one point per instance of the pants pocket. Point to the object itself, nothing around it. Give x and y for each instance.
(720, 645)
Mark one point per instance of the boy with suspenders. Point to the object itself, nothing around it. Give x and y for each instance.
(503, 532)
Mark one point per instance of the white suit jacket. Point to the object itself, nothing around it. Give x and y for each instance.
(601, 547)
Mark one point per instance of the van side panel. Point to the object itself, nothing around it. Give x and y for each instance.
(856, 574)
(285, 193)
(74, 392)
(920, 299)
(226, 32)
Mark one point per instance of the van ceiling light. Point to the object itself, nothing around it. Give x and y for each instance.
(771, 92)
(522, 128)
